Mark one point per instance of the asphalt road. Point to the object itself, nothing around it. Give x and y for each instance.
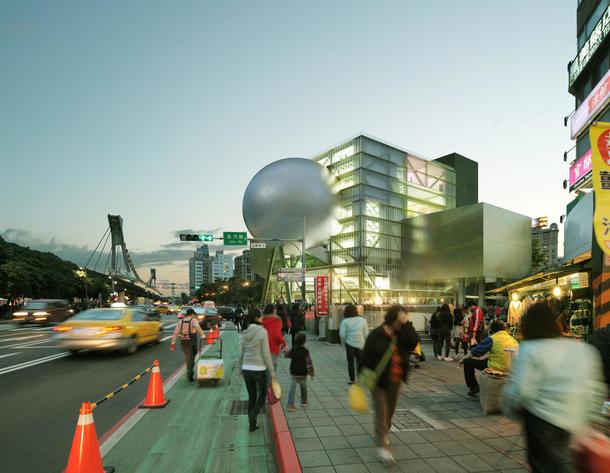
(42, 387)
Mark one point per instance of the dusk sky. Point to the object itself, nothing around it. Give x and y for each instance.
(163, 111)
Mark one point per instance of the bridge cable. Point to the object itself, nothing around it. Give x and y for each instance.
(101, 252)
(98, 245)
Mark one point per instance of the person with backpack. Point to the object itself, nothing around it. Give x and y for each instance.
(187, 329)
(386, 352)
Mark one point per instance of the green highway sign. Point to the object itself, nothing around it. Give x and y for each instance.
(235, 238)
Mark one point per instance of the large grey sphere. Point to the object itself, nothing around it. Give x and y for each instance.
(282, 193)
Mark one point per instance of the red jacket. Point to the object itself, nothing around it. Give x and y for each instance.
(273, 325)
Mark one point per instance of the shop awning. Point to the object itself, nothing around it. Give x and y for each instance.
(583, 266)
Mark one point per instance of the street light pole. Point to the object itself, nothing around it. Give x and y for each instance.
(303, 264)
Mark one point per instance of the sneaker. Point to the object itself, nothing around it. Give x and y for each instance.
(292, 408)
(439, 357)
(447, 358)
(385, 456)
(305, 404)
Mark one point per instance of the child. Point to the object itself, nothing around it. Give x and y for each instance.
(300, 367)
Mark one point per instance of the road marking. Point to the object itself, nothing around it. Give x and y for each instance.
(28, 364)
(10, 354)
(166, 338)
(28, 343)
(16, 339)
(39, 346)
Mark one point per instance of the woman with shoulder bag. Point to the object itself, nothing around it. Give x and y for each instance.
(385, 361)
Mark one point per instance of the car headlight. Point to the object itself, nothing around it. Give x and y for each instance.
(41, 314)
(20, 314)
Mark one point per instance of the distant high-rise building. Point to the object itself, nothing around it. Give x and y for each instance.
(198, 268)
(548, 239)
(242, 266)
(220, 267)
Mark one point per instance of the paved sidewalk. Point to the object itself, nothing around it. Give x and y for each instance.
(196, 432)
(458, 437)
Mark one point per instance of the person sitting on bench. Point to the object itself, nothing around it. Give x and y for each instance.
(498, 345)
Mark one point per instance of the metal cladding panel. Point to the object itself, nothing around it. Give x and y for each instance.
(473, 241)
(579, 228)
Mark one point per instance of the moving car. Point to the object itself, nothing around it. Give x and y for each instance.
(207, 317)
(113, 328)
(163, 309)
(42, 311)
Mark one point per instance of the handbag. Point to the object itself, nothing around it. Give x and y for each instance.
(274, 392)
(592, 453)
(356, 394)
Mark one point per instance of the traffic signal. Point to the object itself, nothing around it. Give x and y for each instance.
(199, 237)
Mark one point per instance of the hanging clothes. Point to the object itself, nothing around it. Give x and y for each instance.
(515, 311)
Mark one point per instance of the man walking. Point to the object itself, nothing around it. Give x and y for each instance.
(187, 329)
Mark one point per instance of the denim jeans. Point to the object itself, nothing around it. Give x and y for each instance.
(445, 338)
(301, 381)
(256, 384)
(353, 355)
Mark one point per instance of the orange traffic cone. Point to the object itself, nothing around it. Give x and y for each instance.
(216, 331)
(85, 453)
(154, 396)
(211, 339)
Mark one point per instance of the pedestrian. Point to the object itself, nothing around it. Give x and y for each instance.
(255, 364)
(391, 342)
(187, 329)
(499, 345)
(460, 330)
(435, 333)
(353, 332)
(280, 310)
(297, 321)
(273, 325)
(477, 324)
(238, 319)
(556, 390)
(445, 319)
(300, 367)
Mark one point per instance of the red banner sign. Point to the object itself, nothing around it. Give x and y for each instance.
(322, 296)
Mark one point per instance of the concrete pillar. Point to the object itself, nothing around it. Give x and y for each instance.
(461, 291)
(482, 292)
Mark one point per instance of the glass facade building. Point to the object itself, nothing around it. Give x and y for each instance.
(380, 185)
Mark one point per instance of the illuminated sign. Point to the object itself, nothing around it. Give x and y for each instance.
(580, 171)
(540, 222)
(595, 102)
(598, 34)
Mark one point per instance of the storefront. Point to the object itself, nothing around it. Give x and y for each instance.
(567, 291)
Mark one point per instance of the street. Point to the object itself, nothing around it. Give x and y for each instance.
(42, 388)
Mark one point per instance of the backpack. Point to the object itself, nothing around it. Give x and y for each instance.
(187, 335)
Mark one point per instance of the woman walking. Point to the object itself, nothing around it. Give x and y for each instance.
(435, 326)
(255, 364)
(353, 332)
(556, 390)
(389, 344)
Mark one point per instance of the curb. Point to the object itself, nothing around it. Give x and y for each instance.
(287, 459)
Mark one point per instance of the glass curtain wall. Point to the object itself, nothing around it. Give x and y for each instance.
(380, 186)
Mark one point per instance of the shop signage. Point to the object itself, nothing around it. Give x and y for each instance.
(540, 222)
(595, 102)
(599, 134)
(598, 34)
(580, 171)
(322, 299)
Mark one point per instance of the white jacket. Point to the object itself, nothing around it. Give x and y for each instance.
(353, 331)
(558, 380)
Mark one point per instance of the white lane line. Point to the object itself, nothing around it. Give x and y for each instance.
(118, 434)
(16, 339)
(166, 338)
(10, 354)
(28, 364)
(36, 347)
(28, 343)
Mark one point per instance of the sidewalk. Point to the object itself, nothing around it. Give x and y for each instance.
(198, 431)
(441, 428)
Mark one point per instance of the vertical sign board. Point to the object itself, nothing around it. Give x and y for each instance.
(322, 299)
(600, 145)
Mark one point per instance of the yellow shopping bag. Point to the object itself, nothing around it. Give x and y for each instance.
(357, 400)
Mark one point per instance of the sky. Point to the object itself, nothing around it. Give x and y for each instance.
(162, 112)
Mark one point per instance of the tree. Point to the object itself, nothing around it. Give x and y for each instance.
(232, 291)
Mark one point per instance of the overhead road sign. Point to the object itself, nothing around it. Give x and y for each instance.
(291, 270)
(198, 237)
(289, 277)
(235, 238)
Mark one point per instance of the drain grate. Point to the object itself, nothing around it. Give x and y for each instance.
(240, 408)
(406, 420)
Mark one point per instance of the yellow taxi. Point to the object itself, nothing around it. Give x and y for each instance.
(163, 309)
(113, 328)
